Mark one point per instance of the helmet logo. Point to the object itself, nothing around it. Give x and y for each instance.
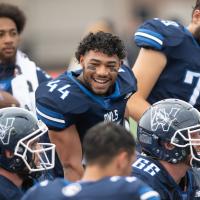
(5, 130)
(162, 118)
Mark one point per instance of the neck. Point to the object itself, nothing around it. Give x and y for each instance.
(8, 61)
(95, 173)
(191, 28)
(82, 81)
(14, 178)
(177, 171)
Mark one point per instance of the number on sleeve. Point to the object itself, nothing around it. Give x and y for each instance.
(169, 23)
(53, 85)
(143, 164)
(63, 90)
(189, 78)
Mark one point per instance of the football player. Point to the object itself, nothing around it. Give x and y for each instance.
(22, 156)
(109, 151)
(168, 64)
(75, 101)
(19, 76)
(169, 135)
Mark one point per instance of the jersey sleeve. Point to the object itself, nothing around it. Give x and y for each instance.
(57, 105)
(159, 35)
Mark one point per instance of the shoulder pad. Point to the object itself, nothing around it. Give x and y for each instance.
(158, 34)
(127, 80)
(59, 94)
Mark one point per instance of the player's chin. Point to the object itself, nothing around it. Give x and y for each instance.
(100, 91)
(9, 53)
(9, 56)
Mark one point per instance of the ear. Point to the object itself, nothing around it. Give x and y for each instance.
(9, 154)
(122, 159)
(168, 146)
(81, 60)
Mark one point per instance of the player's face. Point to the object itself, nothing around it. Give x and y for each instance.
(35, 146)
(196, 25)
(100, 71)
(9, 39)
(197, 34)
(194, 139)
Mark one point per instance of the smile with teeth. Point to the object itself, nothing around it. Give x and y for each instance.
(100, 81)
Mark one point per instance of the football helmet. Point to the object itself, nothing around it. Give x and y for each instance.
(174, 122)
(21, 150)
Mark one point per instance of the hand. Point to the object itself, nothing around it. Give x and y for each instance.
(7, 100)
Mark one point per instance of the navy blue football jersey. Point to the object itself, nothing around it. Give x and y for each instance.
(9, 190)
(154, 174)
(64, 101)
(109, 188)
(181, 77)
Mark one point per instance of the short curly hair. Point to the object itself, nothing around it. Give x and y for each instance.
(14, 13)
(101, 42)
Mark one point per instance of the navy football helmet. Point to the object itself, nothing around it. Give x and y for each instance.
(174, 122)
(20, 149)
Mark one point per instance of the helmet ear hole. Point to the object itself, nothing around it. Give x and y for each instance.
(168, 145)
(9, 154)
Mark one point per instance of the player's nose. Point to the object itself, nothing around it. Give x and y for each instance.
(102, 70)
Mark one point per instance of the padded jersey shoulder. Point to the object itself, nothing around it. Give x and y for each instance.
(159, 34)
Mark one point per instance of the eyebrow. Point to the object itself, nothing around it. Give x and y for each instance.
(95, 60)
(5, 30)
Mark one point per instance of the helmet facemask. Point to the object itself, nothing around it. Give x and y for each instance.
(33, 153)
(189, 138)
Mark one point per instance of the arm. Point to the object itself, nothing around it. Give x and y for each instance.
(68, 147)
(147, 69)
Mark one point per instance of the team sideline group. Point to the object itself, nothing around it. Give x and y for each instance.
(68, 137)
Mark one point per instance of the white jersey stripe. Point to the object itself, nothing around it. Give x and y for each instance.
(149, 37)
(50, 118)
(149, 194)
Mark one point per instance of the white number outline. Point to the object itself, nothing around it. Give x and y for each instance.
(196, 91)
(63, 90)
(143, 164)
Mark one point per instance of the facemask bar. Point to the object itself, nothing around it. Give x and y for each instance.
(191, 142)
(38, 154)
